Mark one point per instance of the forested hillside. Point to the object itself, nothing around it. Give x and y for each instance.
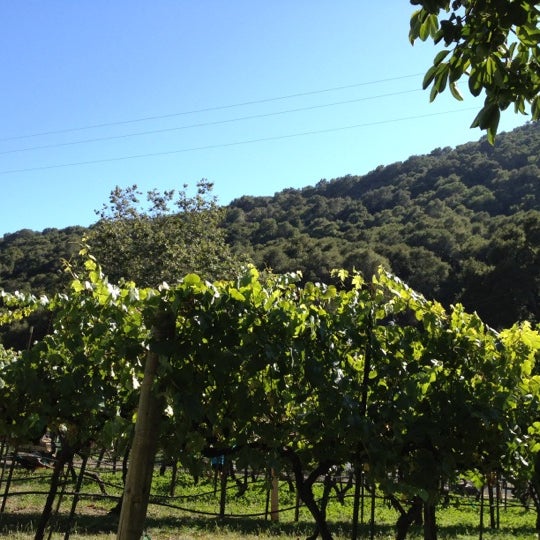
(32, 261)
(458, 224)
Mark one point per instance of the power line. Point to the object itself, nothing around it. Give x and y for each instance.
(208, 109)
(206, 124)
(225, 145)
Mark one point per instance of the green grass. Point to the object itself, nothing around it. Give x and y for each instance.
(192, 514)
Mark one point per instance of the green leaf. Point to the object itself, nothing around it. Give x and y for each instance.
(77, 286)
(493, 125)
(488, 117)
(528, 36)
(490, 67)
(433, 24)
(423, 33)
(237, 295)
(454, 91)
(535, 108)
(441, 78)
(90, 264)
(415, 24)
(192, 280)
(330, 292)
(429, 76)
(341, 274)
(440, 57)
(475, 83)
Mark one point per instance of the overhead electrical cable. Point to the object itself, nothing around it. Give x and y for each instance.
(208, 109)
(235, 143)
(206, 124)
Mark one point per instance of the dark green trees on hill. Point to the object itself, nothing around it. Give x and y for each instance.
(459, 225)
(32, 262)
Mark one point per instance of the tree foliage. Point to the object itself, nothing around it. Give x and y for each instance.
(495, 43)
(459, 225)
(174, 234)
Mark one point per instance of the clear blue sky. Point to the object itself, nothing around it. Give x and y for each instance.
(254, 96)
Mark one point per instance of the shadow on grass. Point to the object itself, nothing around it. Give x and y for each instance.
(12, 523)
(107, 524)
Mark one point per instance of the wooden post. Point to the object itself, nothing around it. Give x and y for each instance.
(362, 497)
(498, 503)
(356, 502)
(143, 450)
(223, 474)
(481, 532)
(274, 497)
(372, 516)
(267, 504)
(174, 473)
(142, 457)
(491, 501)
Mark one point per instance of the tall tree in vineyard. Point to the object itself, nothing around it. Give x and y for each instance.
(169, 236)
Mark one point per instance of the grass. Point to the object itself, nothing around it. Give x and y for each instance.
(193, 514)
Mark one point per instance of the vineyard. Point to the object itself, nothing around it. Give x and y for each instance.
(298, 381)
(182, 506)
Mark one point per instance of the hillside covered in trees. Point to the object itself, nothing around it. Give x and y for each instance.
(459, 225)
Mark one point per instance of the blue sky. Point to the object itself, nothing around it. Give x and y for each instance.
(254, 96)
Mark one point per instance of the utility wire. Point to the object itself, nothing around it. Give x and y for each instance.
(225, 145)
(206, 124)
(208, 109)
